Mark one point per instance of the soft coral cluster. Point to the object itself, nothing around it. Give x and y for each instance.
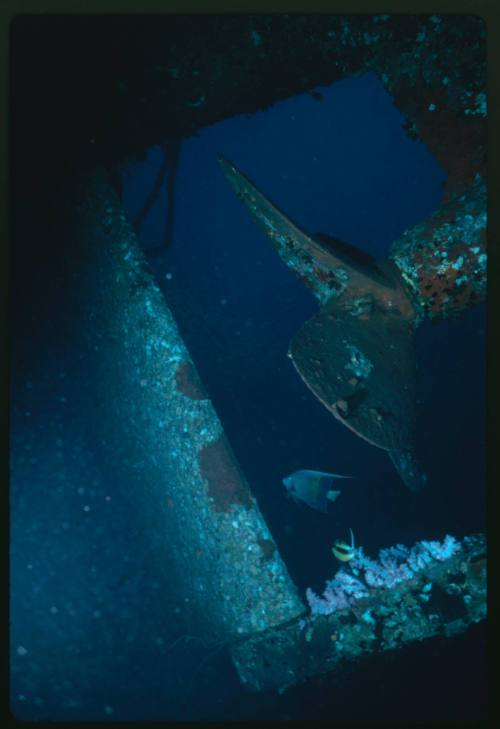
(394, 565)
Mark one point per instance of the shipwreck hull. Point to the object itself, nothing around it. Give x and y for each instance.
(172, 458)
(175, 463)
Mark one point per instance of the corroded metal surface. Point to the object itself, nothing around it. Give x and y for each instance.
(201, 69)
(357, 353)
(434, 68)
(363, 370)
(442, 600)
(443, 259)
(166, 440)
(173, 74)
(327, 267)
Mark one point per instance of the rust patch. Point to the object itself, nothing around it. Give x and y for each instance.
(440, 292)
(457, 142)
(188, 382)
(226, 484)
(268, 548)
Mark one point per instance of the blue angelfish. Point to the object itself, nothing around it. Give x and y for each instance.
(313, 488)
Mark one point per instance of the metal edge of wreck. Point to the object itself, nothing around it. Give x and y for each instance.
(433, 67)
(442, 600)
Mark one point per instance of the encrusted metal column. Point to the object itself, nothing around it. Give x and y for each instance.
(166, 440)
(161, 440)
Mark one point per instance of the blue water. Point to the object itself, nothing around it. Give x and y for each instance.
(342, 166)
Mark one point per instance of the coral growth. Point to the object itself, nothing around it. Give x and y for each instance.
(443, 259)
(394, 565)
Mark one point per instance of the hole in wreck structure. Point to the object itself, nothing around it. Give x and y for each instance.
(338, 162)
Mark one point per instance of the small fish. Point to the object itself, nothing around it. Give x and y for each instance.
(312, 487)
(342, 551)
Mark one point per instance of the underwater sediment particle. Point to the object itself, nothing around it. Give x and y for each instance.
(358, 363)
